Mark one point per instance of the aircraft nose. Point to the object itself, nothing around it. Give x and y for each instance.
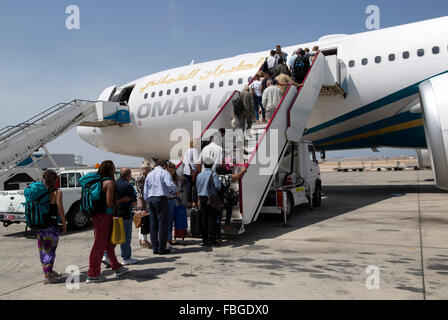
(89, 135)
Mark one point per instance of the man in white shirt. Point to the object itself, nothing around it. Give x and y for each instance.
(271, 99)
(255, 86)
(190, 160)
(212, 151)
(271, 61)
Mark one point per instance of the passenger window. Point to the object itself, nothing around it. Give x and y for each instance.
(153, 95)
(64, 180)
(212, 85)
(160, 93)
(421, 53)
(391, 57)
(377, 59)
(249, 79)
(230, 82)
(71, 180)
(145, 96)
(406, 55)
(435, 50)
(176, 91)
(78, 176)
(240, 81)
(221, 83)
(168, 92)
(351, 63)
(194, 88)
(185, 89)
(364, 61)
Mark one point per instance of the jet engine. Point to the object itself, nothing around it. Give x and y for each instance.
(434, 102)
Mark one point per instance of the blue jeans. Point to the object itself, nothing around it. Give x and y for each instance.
(158, 216)
(171, 205)
(126, 251)
(258, 104)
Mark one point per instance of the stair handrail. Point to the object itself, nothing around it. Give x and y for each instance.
(240, 184)
(9, 131)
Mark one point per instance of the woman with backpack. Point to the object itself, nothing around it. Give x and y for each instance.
(102, 223)
(48, 237)
(229, 194)
(172, 201)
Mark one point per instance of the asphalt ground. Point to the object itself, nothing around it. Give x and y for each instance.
(378, 235)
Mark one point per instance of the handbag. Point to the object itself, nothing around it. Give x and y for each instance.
(117, 236)
(213, 201)
(138, 216)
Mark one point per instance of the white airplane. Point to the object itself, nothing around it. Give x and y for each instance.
(380, 72)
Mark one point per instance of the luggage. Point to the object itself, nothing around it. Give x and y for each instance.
(180, 221)
(195, 222)
(91, 195)
(37, 207)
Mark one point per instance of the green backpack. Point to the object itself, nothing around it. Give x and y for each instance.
(37, 207)
(92, 199)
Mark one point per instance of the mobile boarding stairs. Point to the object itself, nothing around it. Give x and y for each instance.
(19, 142)
(262, 153)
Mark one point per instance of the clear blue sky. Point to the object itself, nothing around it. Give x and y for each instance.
(42, 63)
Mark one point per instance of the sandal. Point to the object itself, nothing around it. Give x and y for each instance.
(56, 274)
(51, 279)
(145, 244)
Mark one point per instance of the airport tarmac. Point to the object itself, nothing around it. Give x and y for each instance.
(394, 221)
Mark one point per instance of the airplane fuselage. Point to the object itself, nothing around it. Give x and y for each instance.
(380, 71)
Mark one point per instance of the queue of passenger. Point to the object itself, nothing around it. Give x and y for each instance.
(280, 72)
(209, 182)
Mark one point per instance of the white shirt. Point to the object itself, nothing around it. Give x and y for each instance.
(272, 62)
(271, 98)
(255, 85)
(214, 152)
(291, 60)
(191, 157)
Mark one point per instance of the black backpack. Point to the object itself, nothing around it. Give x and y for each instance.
(301, 66)
(265, 67)
(238, 107)
(230, 197)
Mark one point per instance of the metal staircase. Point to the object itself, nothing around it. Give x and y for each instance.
(19, 142)
(263, 149)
